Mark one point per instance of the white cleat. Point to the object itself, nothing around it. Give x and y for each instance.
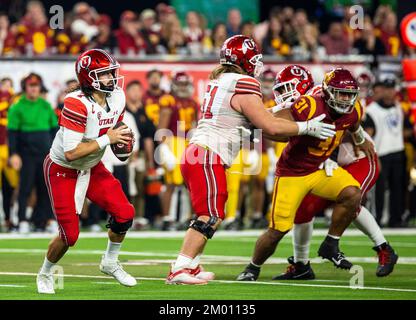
(24, 227)
(114, 269)
(183, 276)
(52, 227)
(45, 283)
(200, 273)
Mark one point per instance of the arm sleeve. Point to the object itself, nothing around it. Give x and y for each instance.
(13, 118)
(248, 86)
(71, 139)
(73, 115)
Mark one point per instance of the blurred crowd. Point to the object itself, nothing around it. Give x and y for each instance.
(28, 124)
(286, 33)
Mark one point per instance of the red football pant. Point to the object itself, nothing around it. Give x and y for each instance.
(204, 176)
(364, 171)
(103, 189)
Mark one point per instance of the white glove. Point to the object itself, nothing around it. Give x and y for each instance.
(316, 128)
(329, 166)
(167, 157)
(252, 161)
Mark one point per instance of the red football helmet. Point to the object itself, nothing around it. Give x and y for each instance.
(182, 84)
(93, 63)
(340, 90)
(242, 51)
(292, 82)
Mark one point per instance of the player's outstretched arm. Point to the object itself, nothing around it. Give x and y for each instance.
(252, 107)
(361, 143)
(75, 149)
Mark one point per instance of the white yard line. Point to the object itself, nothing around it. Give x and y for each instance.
(180, 234)
(12, 286)
(208, 258)
(230, 281)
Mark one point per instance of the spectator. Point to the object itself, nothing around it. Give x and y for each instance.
(85, 19)
(32, 125)
(173, 37)
(7, 42)
(233, 22)
(144, 164)
(385, 122)
(69, 41)
(389, 34)
(368, 43)
(274, 43)
(194, 33)
(33, 33)
(164, 13)
(150, 36)
(9, 176)
(247, 29)
(335, 40)
(219, 35)
(152, 95)
(129, 39)
(105, 38)
(70, 85)
(307, 43)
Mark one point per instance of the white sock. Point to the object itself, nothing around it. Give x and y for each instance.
(256, 265)
(366, 223)
(47, 266)
(183, 261)
(333, 237)
(196, 261)
(113, 250)
(302, 234)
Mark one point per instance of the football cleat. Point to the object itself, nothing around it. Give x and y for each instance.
(296, 271)
(114, 269)
(200, 273)
(387, 258)
(251, 273)
(183, 276)
(333, 254)
(45, 283)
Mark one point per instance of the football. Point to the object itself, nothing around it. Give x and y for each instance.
(122, 151)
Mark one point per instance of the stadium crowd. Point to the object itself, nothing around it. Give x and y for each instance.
(159, 201)
(286, 33)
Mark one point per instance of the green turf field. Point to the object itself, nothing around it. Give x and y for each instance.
(148, 259)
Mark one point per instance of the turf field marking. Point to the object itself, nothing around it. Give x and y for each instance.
(12, 286)
(180, 234)
(206, 258)
(226, 281)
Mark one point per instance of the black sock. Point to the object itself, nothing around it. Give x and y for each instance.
(331, 241)
(252, 267)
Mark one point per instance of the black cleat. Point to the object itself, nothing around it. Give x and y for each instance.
(387, 258)
(251, 273)
(296, 271)
(333, 254)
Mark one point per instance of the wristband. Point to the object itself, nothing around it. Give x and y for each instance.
(103, 141)
(358, 136)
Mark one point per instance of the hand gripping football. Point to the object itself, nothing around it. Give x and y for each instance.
(122, 151)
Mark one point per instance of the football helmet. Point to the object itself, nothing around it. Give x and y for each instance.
(93, 63)
(340, 90)
(182, 84)
(242, 51)
(292, 82)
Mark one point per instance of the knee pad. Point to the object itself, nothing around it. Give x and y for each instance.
(204, 227)
(119, 227)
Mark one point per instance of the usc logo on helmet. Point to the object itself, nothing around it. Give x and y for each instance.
(329, 76)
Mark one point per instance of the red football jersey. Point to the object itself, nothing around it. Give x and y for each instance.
(304, 154)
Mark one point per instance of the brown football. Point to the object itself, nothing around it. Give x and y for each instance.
(122, 151)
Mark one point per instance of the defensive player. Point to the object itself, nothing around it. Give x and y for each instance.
(298, 173)
(73, 170)
(233, 100)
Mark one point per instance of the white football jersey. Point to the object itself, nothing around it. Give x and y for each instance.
(220, 126)
(84, 115)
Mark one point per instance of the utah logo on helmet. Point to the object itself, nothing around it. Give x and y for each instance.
(242, 51)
